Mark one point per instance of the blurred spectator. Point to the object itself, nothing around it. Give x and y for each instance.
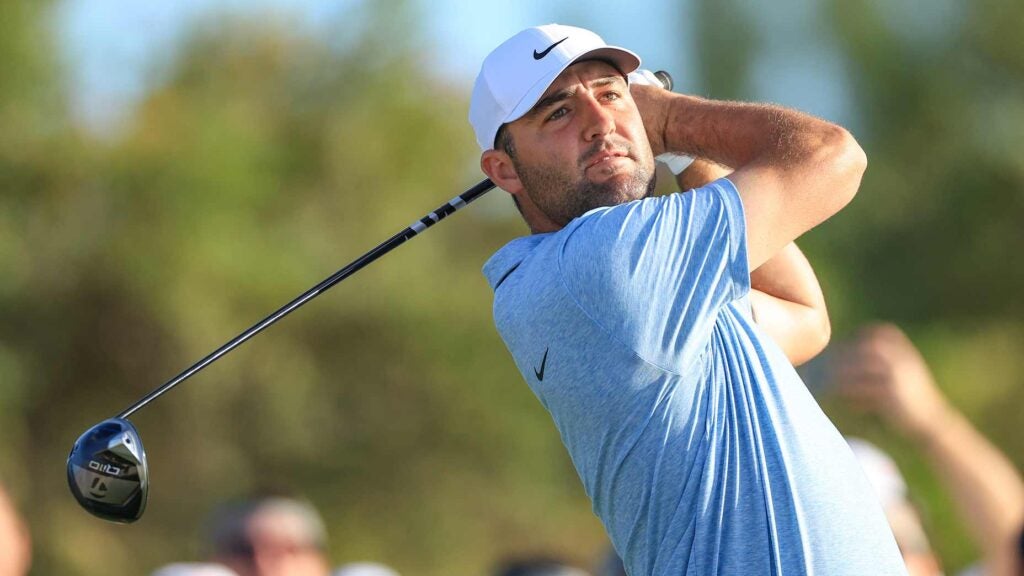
(364, 569)
(537, 566)
(15, 543)
(902, 515)
(193, 569)
(270, 536)
(881, 371)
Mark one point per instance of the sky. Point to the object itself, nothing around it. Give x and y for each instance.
(113, 49)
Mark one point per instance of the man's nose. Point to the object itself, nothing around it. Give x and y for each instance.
(598, 120)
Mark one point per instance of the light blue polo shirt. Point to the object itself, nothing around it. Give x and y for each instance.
(699, 446)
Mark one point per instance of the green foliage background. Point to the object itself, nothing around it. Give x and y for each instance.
(268, 157)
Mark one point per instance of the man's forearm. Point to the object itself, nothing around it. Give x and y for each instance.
(986, 486)
(881, 370)
(730, 133)
(788, 304)
(792, 170)
(789, 276)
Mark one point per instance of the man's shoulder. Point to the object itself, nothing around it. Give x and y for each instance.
(511, 256)
(606, 239)
(658, 222)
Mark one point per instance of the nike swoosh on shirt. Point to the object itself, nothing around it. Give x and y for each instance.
(539, 55)
(540, 373)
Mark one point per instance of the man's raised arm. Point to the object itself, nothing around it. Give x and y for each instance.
(784, 292)
(793, 170)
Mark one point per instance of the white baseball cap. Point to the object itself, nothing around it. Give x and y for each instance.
(518, 72)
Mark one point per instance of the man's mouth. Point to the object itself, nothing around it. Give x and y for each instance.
(603, 157)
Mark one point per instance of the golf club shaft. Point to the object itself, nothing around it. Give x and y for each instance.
(415, 228)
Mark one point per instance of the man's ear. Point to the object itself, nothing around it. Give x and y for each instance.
(499, 168)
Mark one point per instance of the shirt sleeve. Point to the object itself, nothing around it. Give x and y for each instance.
(656, 273)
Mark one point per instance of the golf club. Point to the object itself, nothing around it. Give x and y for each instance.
(107, 469)
(665, 78)
(108, 473)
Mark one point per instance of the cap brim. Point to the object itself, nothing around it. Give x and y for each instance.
(625, 60)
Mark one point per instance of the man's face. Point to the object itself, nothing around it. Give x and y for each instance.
(582, 146)
(275, 545)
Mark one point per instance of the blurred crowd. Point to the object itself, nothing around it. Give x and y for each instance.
(878, 370)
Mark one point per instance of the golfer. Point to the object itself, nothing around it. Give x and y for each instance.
(661, 332)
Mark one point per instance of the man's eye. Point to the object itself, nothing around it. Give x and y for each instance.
(558, 113)
(611, 95)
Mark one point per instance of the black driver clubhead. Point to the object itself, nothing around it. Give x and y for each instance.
(108, 473)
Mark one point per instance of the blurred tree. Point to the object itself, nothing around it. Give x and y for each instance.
(930, 240)
(725, 58)
(266, 159)
(944, 204)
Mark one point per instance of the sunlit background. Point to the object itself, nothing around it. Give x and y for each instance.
(172, 171)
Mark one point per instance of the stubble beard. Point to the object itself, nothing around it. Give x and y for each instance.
(562, 197)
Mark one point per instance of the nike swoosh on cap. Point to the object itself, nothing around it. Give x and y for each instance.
(539, 55)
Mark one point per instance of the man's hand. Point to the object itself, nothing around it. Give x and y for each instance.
(642, 77)
(653, 103)
(880, 370)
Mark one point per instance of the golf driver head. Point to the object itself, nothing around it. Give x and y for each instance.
(108, 473)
